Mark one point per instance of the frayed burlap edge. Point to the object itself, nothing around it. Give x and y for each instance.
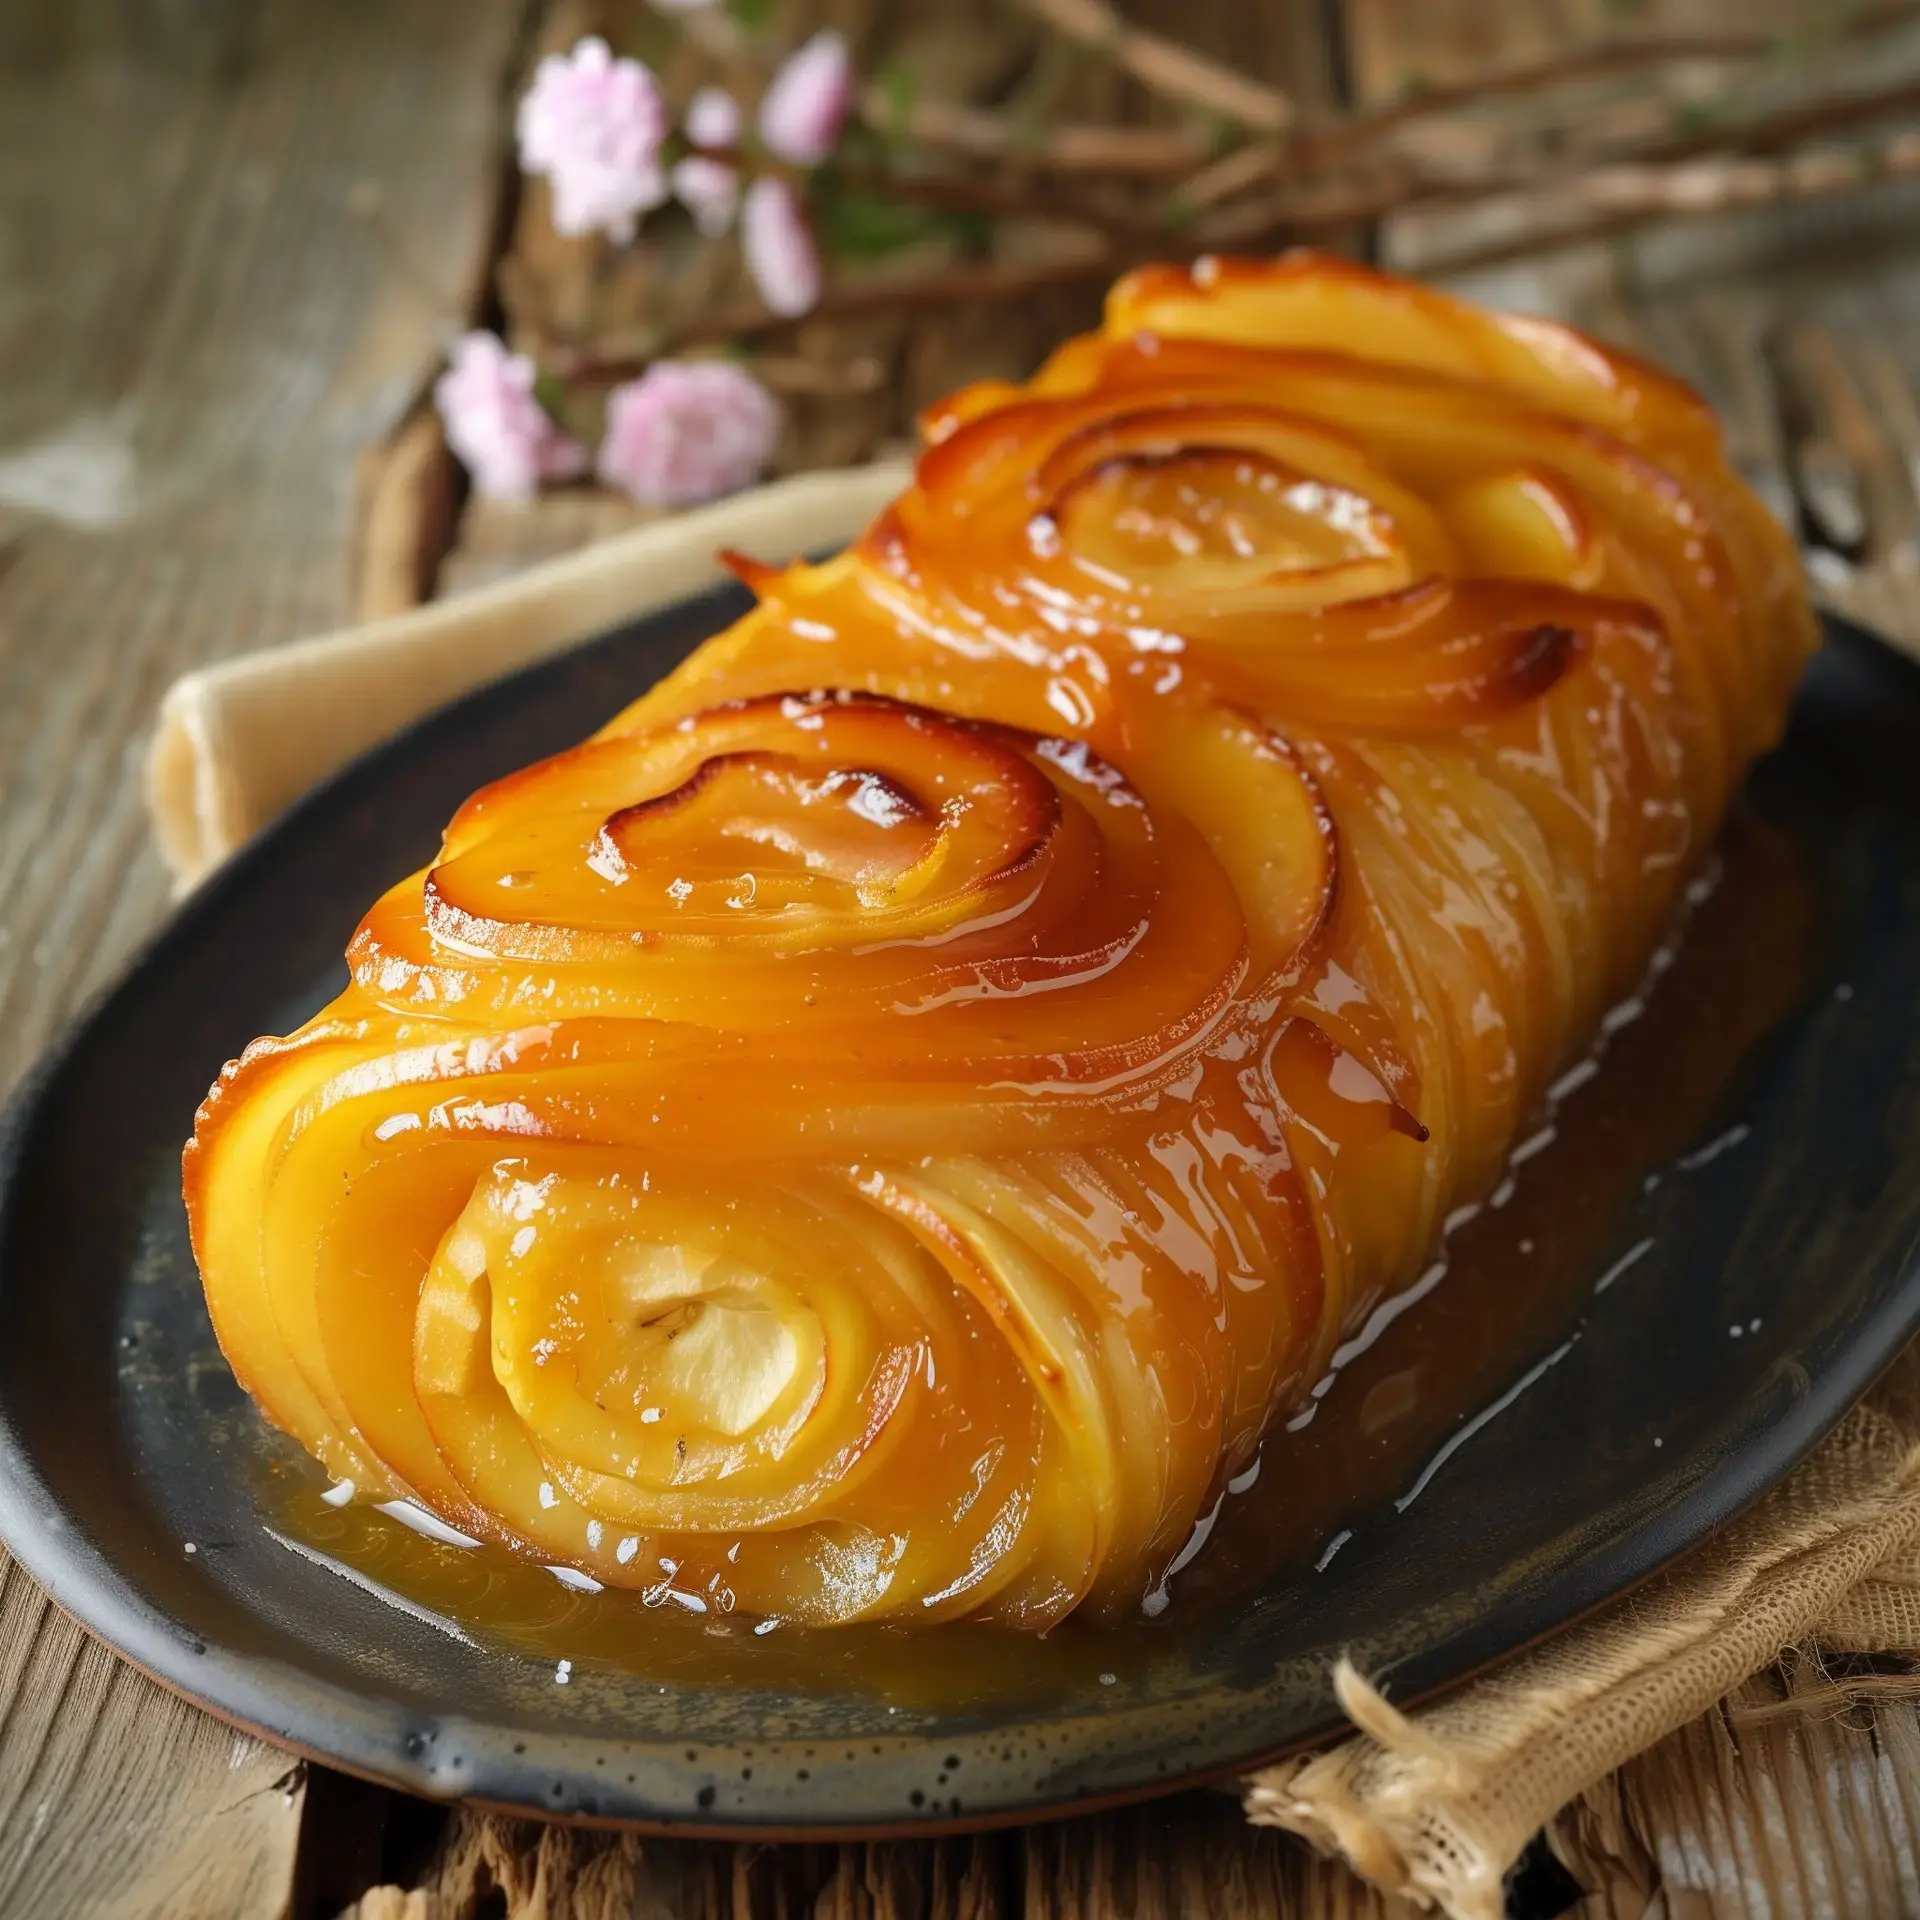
(1436, 1805)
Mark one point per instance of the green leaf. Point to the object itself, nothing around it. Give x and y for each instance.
(754, 15)
(551, 392)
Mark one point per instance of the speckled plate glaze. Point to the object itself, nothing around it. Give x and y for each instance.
(1608, 1443)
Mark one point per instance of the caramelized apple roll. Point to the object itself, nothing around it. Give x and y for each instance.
(883, 1128)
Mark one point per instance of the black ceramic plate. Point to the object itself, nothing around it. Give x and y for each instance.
(1675, 1295)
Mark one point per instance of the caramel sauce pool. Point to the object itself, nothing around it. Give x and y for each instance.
(1518, 1276)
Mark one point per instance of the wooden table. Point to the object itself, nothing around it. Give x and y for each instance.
(232, 241)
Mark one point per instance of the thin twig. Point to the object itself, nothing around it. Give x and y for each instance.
(796, 376)
(981, 281)
(1322, 144)
(1167, 67)
(1789, 126)
(951, 193)
(1321, 147)
(1400, 188)
(1232, 173)
(1617, 200)
(1150, 152)
(955, 194)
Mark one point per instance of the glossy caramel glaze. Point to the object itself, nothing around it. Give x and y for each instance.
(880, 1130)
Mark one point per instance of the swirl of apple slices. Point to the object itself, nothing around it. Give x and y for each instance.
(820, 1156)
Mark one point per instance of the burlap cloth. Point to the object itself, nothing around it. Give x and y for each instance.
(1434, 1805)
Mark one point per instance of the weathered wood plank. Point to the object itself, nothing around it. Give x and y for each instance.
(1192, 1856)
(116, 1798)
(1758, 1813)
(232, 238)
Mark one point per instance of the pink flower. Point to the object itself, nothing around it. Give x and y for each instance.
(801, 115)
(593, 126)
(503, 436)
(710, 188)
(687, 431)
(779, 247)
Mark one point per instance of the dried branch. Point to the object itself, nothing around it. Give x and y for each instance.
(1350, 139)
(1167, 67)
(1789, 126)
(1615, 200)
(1401, 188)
(796, 376)
(1233, 173)
(952, 193)
(969, 282)
(1321, 145)
(1150, 152)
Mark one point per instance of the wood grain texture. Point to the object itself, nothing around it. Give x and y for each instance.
(117, 1799)
(1189, 1856)
(232, 239)
(1759, 1812)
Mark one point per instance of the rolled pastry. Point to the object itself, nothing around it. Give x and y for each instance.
(883, 1128)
